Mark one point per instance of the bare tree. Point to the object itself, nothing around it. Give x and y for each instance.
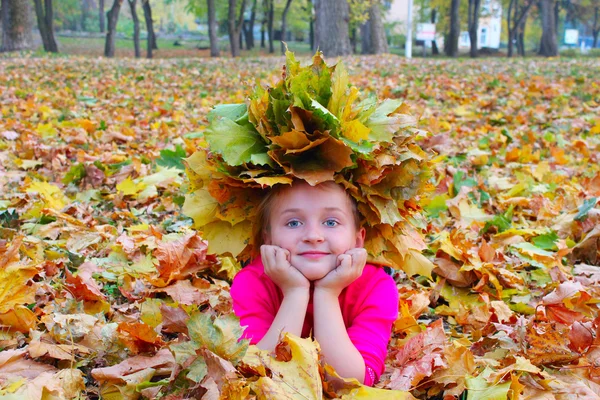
(212, 29)
(101, 16)
(112, 16)
(235, 27)
(45, 21)
(16, 25)
(473, 25)
(451, 45)
(151, 41)
(515, 20)
(549, 41)
(374, 40)
(136, 27)
(249, 27)
(331, 28)
(270, 16)
(284, 24)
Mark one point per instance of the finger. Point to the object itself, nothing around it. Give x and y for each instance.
(345, 260)
(280, 258)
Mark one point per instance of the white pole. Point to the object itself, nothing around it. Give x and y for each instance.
(409, 23)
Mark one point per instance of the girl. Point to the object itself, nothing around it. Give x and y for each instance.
(312, 279)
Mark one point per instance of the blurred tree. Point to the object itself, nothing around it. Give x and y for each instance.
(16, 25)
(549, 40)
(249, 27)
(112, 17)
(451, 43)
(136, 27)
(516, 17)
(67, 15)
(586, 12)
(235, 26)
(45, 21)
(473, 25)
(374, 40)
(151, 40)
(269, 9)
(331, 27)
(101, 22)
(212, 29)
(284, 24)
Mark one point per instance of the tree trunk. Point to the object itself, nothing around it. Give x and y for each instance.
(521, 38)
(251, 25)
(284, 24)
(45, 20)
(549, 41)
(311, 34)
(270, 17)
(16, 26)
(235, 28)
(85, 11)
(136, 28)
(365, 38)
(379, 43)
(434, 48)
(452, 45)
(515, 21)
(473, 24)
(151, 41)
(353, 39)
(112, 17)
(101, 16)
(212, 29)
(331, 29)
(512, 5)
(595, 29)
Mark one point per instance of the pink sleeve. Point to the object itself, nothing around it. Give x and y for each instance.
(371, 328)
(252, 304)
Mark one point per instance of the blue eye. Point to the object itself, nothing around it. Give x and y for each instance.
(331, 223)
(293, 223)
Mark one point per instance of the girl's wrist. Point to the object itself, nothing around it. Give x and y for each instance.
(325, 292)
(297, 292)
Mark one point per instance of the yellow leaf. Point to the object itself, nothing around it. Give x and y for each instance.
(355, 131)
(138, 228)
(298, 378)
(130, 187)
(201, 207)
(46, 130)
(224, 238)
(230, 266)
(21, 319)
(51, 195)
(416, 263)
(595, 129)
(15, 289)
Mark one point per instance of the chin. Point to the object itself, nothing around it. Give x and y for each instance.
(316, 271)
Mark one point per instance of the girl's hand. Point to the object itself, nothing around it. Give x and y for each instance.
(277, 267)
(350, 267)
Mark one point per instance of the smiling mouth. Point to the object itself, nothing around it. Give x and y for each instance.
(313, 254)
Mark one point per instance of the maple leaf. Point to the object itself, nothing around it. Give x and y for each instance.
(221, 335)
(294, 370)
(419, 357)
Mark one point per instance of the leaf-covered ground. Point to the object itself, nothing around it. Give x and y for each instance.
(106, 291)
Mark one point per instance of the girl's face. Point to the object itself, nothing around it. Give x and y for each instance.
(315, 224)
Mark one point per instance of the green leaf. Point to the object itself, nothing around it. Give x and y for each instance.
(220, 335)
(198, 370)
(233, 112)
(437, 205)
(234, 142)
(384, 125)
(172, 158)
(480, 389)
(585, 208)
(75, 174)
(546, 241)
(460, 181)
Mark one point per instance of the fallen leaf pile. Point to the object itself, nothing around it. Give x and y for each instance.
(108, 292)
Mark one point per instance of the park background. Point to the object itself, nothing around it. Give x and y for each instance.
(107, 290)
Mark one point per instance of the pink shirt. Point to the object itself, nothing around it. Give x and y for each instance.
(369, 307)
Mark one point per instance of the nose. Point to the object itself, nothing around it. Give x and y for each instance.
(313, 234)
